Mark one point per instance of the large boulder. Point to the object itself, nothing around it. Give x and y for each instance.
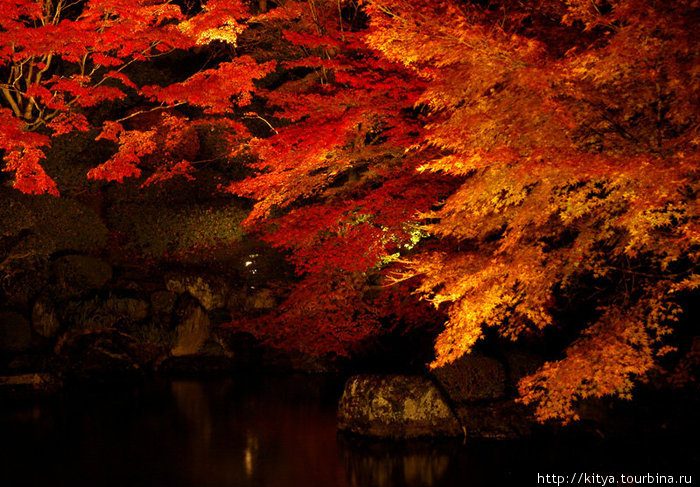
(193, 328)
(15, 332)
(77, 274)
(261, 299)
(106, 312)
(21, 385)
(211, 292)
(250, 300)
(162, 306)
(472, 377)
(163, 302)
(198, 350)
(45, 321)
(98, 355)
(395, 406)
(478, 386)
(22, 278)
(521, 363)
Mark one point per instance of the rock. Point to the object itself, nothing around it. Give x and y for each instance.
(521, 363)
(212, 357)
(15, 332)
(153, 335)
(98, 355)
(472, 377)
(76, 274)
(106, 312)
(395, 406)
(163, 302)
(261, 299)
(476, 387)
(193, 328)
(22, 278)
(28, 384)
(245, 347)
(251, 300)
(44, 318)
(176, 284)
(210, 292)
(495, 420)
(133, 309)
(29, 362)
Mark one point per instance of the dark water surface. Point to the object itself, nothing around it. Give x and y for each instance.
(273, 431)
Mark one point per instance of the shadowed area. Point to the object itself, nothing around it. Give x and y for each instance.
(277, 431)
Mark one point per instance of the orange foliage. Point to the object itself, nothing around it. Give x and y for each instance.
(506, 159)
(572, 131)
(576, 126)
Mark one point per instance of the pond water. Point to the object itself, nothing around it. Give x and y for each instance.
(274, 431)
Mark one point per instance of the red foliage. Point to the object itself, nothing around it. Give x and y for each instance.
(547, 145)
(336, 187)
(538, 146)
(62, 59)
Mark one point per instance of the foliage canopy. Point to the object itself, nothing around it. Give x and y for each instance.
(505, 162)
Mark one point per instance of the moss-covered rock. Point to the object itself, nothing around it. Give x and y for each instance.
(211, 292)
(251, 301)
(22, 278)
(163, 302)
(77, 274)
(28, 385)
(99, 355)
(101, 312)
(395, 406)
(521, 363)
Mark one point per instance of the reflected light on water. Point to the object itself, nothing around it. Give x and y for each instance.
(258, 431)
(383, 464)
(250, 453)
(264, 432)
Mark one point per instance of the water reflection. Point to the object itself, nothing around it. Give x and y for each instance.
(270, 432)
(237, 432)
(385, 464)
(251, 453)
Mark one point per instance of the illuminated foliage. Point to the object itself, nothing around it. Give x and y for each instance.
(576, 127)
(59, 60)
(505, 161)
(334, 187)
(571, 129)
